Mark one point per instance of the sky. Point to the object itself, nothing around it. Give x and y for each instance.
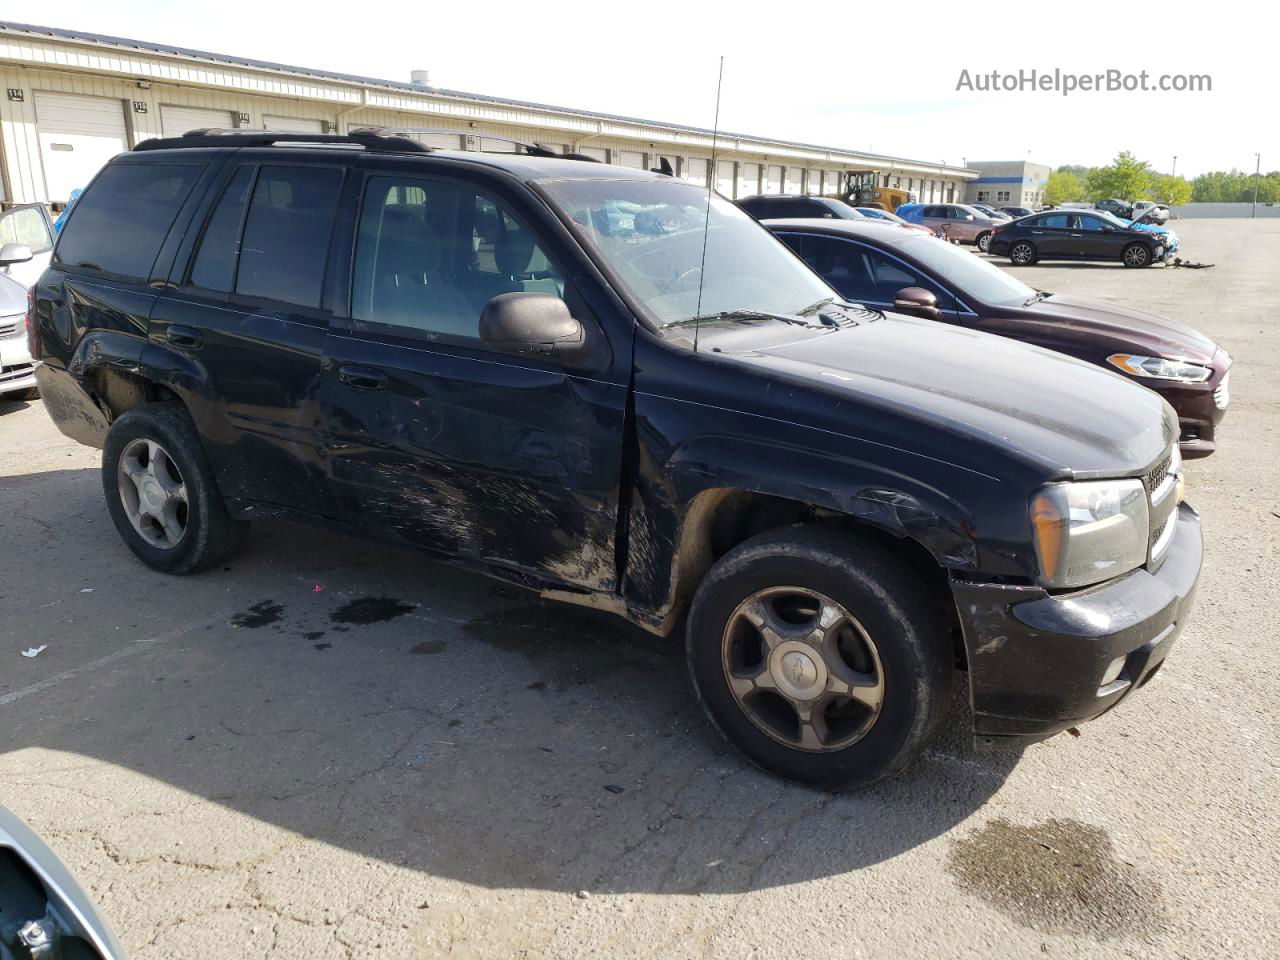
(828, 74)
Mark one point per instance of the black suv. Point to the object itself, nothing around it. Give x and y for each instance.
(787, 205)
(618, 390)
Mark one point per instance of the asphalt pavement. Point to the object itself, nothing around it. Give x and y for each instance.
(333, 748)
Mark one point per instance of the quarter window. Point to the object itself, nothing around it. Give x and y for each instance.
(137, 201)
(431, 254)
(215, 264)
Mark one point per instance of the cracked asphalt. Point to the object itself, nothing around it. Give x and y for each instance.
(338, 749)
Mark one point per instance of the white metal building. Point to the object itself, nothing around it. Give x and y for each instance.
(73, 100)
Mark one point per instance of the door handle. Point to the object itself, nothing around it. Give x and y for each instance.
(1037, 232)
(362, 378)
(181, 336)
(1077, 234)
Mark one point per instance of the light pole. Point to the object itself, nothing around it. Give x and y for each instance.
(1257, 176)
(1175, 166)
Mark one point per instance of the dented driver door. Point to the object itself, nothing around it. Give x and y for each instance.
(438, 441)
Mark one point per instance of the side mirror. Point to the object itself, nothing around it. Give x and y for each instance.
(14, 253)
(918, 302)
(532, 323)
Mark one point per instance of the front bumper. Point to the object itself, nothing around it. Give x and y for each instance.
(17, 372)
(1201, 407)
(1037, 660)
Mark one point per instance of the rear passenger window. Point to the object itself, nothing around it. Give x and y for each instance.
(215, 264)
(430, 255)
(119, 224)
(286, 234)
(1056, 220)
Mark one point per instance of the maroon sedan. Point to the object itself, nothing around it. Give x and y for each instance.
(884, 266)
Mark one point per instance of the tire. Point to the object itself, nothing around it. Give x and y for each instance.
(149, 517)
(894, 627)
(984, 241)
(1136, 255)
(1023, 253)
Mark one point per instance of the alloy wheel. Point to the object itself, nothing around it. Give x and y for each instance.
(153, 493)
(803, 669)
(1021, 253)
(1136, 255)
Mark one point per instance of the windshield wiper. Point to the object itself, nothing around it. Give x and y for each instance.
(1040, 295)
(743, 314)
(813, 307)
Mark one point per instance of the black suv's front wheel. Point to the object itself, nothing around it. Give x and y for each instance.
(161, 492)
(824, 659)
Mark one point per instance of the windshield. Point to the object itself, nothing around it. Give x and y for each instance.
(971, 275)
(1111, 218)
(841, 209)
(650, 233)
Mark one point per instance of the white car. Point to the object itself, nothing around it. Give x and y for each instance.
(1150, 211)
(26, 245)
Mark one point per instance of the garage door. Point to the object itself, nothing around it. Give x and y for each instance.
(695, 171)
(292, 124)
(175, 121)
(750, 173)
(724, 178)
(77, 136)
(773, 179)
(794, 176)
(631, 158)
(441, 141)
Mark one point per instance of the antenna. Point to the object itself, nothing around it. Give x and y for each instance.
(706, 223)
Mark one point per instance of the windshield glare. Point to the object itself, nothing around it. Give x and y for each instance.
(968, 273)
(650, 233)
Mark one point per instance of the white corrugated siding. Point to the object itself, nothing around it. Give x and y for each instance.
(176, 120)
(305, 103)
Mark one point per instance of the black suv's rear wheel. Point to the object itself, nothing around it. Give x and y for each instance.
(823, 659)
(161, 492)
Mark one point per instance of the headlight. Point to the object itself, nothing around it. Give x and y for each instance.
(1088, 532)
(1159, 368)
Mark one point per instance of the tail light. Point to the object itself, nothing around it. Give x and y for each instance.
(33, 334)
(998, 227)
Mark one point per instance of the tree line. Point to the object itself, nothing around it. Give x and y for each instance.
(1129, 178)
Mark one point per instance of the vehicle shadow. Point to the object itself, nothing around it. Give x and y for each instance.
(9, 405)
(412, 712)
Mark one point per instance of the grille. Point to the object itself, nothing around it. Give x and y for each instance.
(17, 372)
(1158, 473)
(1157, 533)
(9, 327)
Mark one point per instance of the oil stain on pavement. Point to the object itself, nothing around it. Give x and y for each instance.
(260, 614)
(367, 610)
(1056, 876)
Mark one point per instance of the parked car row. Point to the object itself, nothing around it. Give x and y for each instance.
(619, 390)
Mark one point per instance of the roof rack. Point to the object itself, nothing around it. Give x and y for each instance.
(532, 149)
(216, 137)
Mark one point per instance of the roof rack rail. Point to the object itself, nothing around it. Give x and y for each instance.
(532, 149)
(217, 137)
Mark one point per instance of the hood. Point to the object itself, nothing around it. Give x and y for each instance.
(1149, 227)
(1139, 331)
(1068, 416)
(13, 296)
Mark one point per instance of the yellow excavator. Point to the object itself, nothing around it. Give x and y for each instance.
(861, 190)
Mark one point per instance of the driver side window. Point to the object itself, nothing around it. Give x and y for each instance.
(430, 254)
(862, 274)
